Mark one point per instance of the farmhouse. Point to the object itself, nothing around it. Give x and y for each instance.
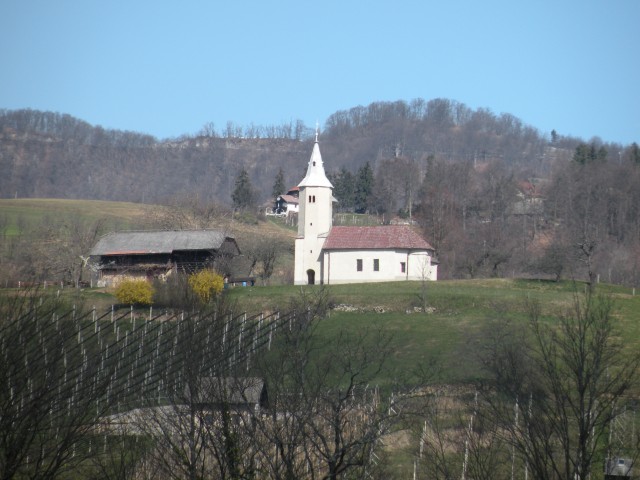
(156, 254)
(330, 255)
(288, 203)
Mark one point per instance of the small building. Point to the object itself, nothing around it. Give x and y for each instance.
(286, 204)
(618, 467)
(237, 394)
(157, 254)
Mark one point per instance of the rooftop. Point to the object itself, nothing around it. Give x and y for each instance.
(377, 237)
(120, 243)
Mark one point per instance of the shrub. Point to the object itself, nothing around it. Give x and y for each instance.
(206, 284)
(174, 292)
(135, 292)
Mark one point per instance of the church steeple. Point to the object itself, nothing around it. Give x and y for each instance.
(315, 170)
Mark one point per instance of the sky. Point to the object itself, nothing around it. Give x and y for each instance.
(167, 68)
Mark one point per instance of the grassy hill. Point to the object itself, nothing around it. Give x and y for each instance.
(462, 310)
(16, 214)
(117, 215)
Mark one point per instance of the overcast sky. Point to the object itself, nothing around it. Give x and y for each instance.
(168, 68)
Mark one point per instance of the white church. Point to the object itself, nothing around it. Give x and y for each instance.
(325, 254)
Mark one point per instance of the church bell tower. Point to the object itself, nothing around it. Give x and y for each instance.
(314, 220)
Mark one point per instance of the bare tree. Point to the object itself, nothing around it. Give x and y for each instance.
(263, 254)
(555, 392)
(191, 212)
(54, 386)
(327, 416)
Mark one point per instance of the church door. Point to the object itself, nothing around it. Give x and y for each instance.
(311, 276)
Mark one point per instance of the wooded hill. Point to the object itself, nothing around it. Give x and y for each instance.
(51, 155)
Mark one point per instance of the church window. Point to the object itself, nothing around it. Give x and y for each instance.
(403, 267)
(359, 264)
(376, 265)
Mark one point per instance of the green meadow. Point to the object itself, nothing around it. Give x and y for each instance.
(443, 343)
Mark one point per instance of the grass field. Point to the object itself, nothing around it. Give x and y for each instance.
(445, 341)
(16, 214)
(446, 337)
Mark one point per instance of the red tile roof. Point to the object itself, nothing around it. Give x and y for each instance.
(384, 237)
(290, 199)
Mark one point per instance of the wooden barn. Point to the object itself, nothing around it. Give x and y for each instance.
(157, 254)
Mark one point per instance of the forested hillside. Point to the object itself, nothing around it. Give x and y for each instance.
(45, 154)
(495, 197)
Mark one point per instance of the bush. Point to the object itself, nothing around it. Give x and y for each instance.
(135, 292)
(206, 284)
(174, 292)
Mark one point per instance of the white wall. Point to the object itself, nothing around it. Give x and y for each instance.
(340, 266)
(314, 224)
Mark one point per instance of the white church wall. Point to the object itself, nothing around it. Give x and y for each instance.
(342, 266)
(308, 256)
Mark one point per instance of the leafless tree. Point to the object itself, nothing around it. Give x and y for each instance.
(555, 391)
(191, 212)
(53, 386)
(263, 254)
(327, 416)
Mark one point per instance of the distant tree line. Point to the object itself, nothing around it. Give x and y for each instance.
(68, 128)
(288, 130)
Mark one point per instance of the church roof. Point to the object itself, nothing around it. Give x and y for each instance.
(375, 238)
(315, 170)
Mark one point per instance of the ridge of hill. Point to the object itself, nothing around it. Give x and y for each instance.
(49, 155)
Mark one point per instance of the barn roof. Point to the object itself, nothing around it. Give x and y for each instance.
(235, 390)
(375, 238)
(123, 243)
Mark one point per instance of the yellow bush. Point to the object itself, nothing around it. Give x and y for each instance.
(206, 284)
(135, 292)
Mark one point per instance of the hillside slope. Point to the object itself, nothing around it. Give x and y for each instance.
(50, 155)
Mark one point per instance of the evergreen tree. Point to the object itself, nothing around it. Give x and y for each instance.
(602, 154)
(364, 188)
(278, 185)
(588, 153)
(344, 189)
(635, 153)
(582, 154)
(243, 195)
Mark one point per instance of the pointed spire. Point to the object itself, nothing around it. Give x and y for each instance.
(315, 170)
